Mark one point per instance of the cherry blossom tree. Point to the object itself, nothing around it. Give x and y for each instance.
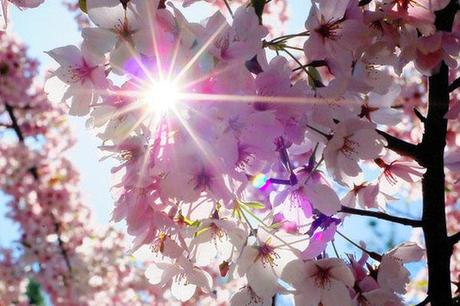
(243, 152)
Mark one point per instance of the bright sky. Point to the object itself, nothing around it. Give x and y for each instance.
(51, 26)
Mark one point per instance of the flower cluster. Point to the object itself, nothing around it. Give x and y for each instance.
(75, 261)
(234, 145)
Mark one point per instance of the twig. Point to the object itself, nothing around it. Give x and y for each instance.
(303, 68)
(381, 215)
(33, 170)
(374, 255)
(280, 181)
(419, 115)
(14, 122)
(402, 147)
(335, 249)
(57, 229)
(424, 302)
(319, 63)
(229, 8)
(289, 36)
(455, 238)
(454, 85)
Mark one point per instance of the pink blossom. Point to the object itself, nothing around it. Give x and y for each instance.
(408, 171)
(353, 140)
(325, 281)
(391, 274)
(240, 41)
(83, 75)
(267, 258)
(331, 31)
(364, 195)
(183, 276)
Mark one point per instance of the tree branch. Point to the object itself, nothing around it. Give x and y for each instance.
(438, 247)
(6, 126)
(455, 238)
(401, 147)
(382, 216)
(454, 85)
(57, 229)
(424, 302)
(33, 170)
(14, 122)
(374, 255)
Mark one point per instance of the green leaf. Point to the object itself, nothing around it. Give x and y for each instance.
(195, 223)
(313, 77)
(83, 6)
(254, 205)
(259, 8)
(34, 293)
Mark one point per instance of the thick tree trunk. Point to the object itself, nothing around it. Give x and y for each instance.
(434, 218)
(432, 147)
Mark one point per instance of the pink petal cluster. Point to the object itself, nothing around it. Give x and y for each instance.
(233, 148)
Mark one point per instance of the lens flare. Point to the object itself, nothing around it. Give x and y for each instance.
(260, 181)
(161, 96)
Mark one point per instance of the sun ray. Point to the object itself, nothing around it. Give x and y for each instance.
(200, 52)
(156, 50)
(248, 98)
(200, 145)
(174, 55)
(206, 76)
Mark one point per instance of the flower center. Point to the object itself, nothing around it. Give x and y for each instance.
(244, 156)
(386, 171)
(80, 73)
(123, 31)
(322, 277)
(366, 111)
(216, 231)
(349, 146)
(404, 4)
(267, 254)
(202, 181)
(358, 188)
(328, 30)
(158, 244)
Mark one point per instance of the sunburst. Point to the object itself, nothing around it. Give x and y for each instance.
(163, 95)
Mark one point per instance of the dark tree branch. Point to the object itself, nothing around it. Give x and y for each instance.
(33, 171)
(454, 239)
(14, 122)
(424, 302)
(438, 246)
(280, 181)
(419, 115)
(57, 229)
(374, 255)
(364, 2)
(318, 63)
(454, 85)
(400, 146)
(381, 215)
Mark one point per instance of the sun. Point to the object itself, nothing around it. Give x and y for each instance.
(161, 96)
